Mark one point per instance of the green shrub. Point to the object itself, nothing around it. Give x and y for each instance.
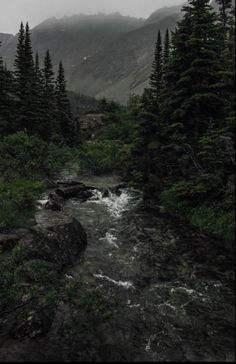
(17, 201)
(185, 199)
(23, 155)
(102, 156)
(24, 161)
(30, 157)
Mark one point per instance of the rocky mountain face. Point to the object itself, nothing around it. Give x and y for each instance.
(6, 38)
(104, 55)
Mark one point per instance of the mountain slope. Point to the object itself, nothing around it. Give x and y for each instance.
(76, 37)
(103, 55)
(6, 38)
(124, 66)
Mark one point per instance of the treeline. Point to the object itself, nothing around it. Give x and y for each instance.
(32, 99)
(184, 153)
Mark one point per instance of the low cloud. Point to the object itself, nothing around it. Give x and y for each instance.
(35, 11)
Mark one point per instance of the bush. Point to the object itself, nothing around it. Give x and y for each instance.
(24, 161)
(17, 201)
(185, 199)
(30, 157)
(102, 156)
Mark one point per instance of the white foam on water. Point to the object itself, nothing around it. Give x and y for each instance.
(125, 285)
(42, 203)
(148, 346)
(111, 240)
(115, 204)
(187, 290)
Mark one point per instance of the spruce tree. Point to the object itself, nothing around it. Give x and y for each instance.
(7, 100)
(37, 98)
(194, 99)
(225, 10)
(29, 111)
(3, 102)
(157, 69)
(167, 47)
(19, 66)
(63, 114)
(50, 129)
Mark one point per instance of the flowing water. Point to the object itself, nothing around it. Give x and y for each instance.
(169, 307)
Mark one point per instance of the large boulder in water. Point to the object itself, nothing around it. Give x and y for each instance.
(60, 243)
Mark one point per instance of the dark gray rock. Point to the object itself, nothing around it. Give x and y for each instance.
(79, 190)
(55, 202)
(61, 244)
(8, 241)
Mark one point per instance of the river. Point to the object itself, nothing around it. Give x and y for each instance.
(166, 290)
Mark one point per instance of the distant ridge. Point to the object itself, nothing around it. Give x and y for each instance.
(103, 55)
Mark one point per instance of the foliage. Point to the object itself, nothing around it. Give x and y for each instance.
(184, 153)
(24, 161)
(102, 156)
(17, 201)
(31, 99)
(189, 201)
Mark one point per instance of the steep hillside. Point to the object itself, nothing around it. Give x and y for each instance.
(103, 55)
(162, 13)
(73, 38)
(6, 38)
(124, 66)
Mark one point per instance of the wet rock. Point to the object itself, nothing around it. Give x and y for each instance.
(55, 202)
(106, 193)
(61, 244)
(79, 190)
(8, 241)
(90, 124)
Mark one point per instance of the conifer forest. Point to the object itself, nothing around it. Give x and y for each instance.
(117, 203)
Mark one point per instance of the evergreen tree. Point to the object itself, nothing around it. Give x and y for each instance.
(37, 98)
(167, 47)
(225, 10)
(20, 75)
(227, 57)
(193, 140)
(30, 114)
(49, 128)
(7, 106)
(63, 114)
(157, 69)
(193, 100)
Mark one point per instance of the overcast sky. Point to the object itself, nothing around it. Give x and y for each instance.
(35, 11)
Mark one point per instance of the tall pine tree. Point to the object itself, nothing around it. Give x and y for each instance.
(19, 66)
(29, 91)
(156, 79)
(7, 107)
(167, 47)
(63, 113)
(225, 9)
(50, 129)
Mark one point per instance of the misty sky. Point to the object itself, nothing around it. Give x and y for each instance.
(35, 11)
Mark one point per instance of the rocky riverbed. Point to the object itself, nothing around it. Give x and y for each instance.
(147, 288)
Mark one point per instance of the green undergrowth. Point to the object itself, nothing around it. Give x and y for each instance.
(213, 215)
